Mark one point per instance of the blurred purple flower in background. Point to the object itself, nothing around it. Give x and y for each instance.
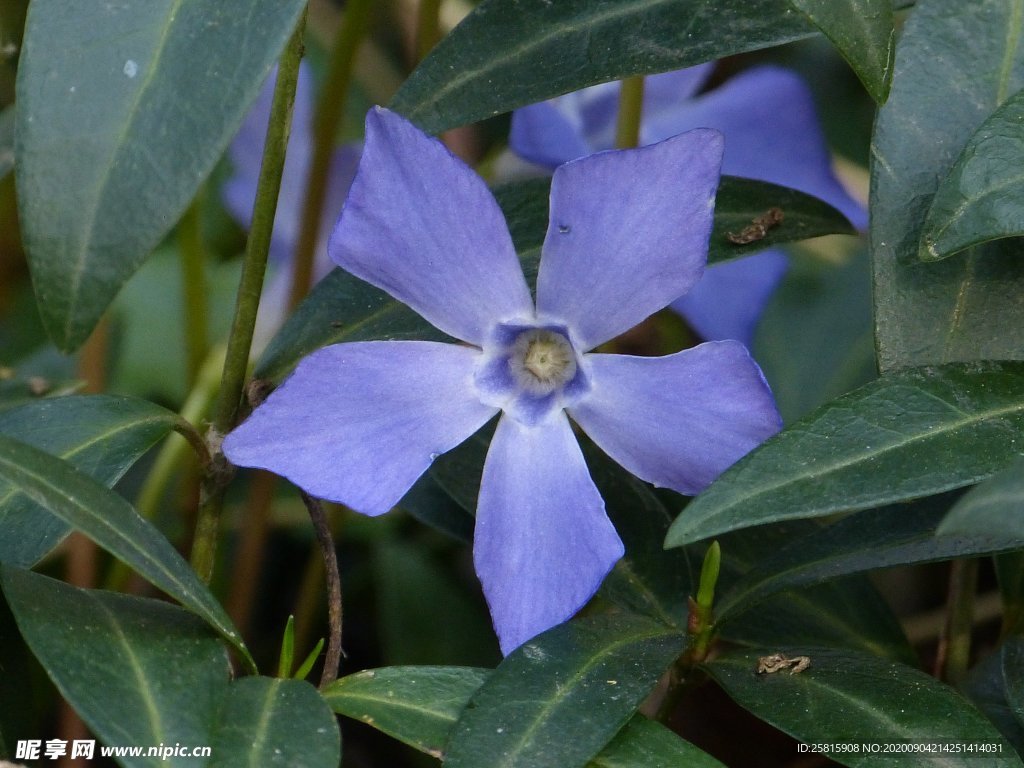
(358, 423)
(771, 134)
(239, 192)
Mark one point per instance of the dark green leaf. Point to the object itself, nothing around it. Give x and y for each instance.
(111, 147)
(584, 678)
(644, 743)
(740, 201)
(112, 523)
(877, 538)
(505, 55)
(994, 508)
(416, 705)
(100, 435)
(139, 672)
(982, 197)
(458, 472)
(956, 61)
(271, 722)
(863, 32)
(854, 698)
(986, 687)
(814, 340)
(6, 141)
(649, 579)
(428, 503)
(906, 435)
(846, 613)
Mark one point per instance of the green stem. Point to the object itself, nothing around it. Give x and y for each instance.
(428, 27)
(631, 104)
(193, 268)
(329, 109)
(684, 673)
(250, 287)
(173, 454)
(963, 583)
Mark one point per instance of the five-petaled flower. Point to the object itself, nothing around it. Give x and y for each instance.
(771, 134)
(358, 423)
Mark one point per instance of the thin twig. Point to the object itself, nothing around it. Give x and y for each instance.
(332, 660)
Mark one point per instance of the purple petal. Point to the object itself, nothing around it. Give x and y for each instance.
(359, 423)
(729, 299)
(545, 134)
(670, 89)
(543, 543)
(771, 134)
(678, 421)
(422, 226)
(628, 233)
(583, 122)
(246, 153)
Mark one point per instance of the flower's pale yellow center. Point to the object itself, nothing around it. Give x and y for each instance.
(544, 359)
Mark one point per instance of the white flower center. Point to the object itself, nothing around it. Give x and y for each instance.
(542, 360)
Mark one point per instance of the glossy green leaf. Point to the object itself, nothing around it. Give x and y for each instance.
(879, 538)
(956, 62)
(645, 743)
(584, 678)
(846, 613)
(982, 198)
(906, 435)
(993, 508)
(139, 671)
(505, 55)
(111, 522)
(740, 201)
(6, 141)
(342, 308)
(267, 721)
(863, 32)
(100, 435)
(986, 686)
(852, 698)
(648, 580)
(416, 705)
(111, 147)
(814, 341)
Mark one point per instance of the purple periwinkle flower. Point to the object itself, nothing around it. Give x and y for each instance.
(771, 134)
(358, 423)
